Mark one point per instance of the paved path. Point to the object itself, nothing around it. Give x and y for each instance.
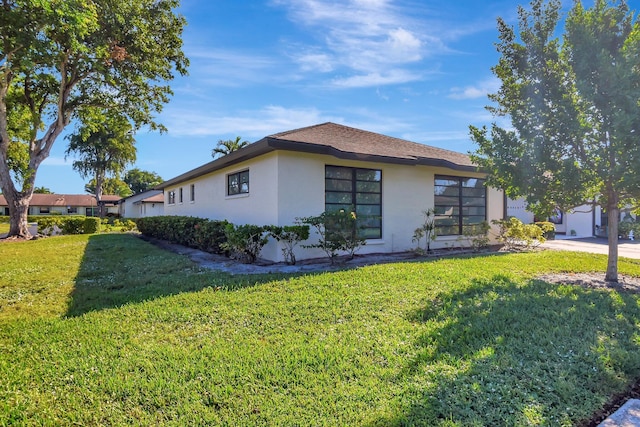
(598, 245)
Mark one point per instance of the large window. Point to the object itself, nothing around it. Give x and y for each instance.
(359, 189)
(238, 183)
(460, 203)
(171, 197)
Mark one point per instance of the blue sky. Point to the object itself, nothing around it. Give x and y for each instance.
(415, 69)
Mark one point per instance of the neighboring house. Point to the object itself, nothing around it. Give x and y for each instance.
(583, 221)
(147, 203)
(304, 172)
(66, 204)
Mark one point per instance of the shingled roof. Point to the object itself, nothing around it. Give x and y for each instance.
(340, 141)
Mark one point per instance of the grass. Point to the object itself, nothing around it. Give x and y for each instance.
(4, 227)
(109, 330)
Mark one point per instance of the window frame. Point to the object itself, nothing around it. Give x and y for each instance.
(171, 197)
(460, 217)
(354, 193)
(239, 175)
(180, 195)
(192, 193)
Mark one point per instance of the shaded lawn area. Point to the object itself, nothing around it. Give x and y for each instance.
(109, 329)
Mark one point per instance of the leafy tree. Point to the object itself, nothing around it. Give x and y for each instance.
(42, 190)
(101, 150)
(229, 146)
(65, 60)
(140, 181)
(573, 105)
(109, 186)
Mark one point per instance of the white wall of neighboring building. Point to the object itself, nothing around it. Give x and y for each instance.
(132, 206)
(578, 223)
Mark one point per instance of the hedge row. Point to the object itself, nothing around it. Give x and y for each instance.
(200, 233)
(72, 224)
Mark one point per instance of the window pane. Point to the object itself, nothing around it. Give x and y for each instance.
(338, 185)
(473, 192)
(468, 220)
(446, 230)
(336, 207)
(368, 210)
(447, 182)
(334, 197)
(473, 182)
(473, 201)
(368, 198)
(446, 201)
(338, 172)
(368, 187)
(370, 233)
(447, 210)
(473, 210)
(368, 175)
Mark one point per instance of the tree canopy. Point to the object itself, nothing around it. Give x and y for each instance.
(140, 181)
(574, 109)
(64, 60)
(103, 149)
(225, 147)
(111, 185)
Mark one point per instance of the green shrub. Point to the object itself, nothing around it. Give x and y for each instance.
(244, 242)
(289, 236)
(199, 233)
(477, 235)
(72, 225)
(338, 233)
(516, 235)
(426, 230)
(548, 229)
(91, 225)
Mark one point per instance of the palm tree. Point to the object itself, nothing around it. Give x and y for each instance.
(229, 146)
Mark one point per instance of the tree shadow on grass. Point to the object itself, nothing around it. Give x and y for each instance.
(503, 353)
(118, 269)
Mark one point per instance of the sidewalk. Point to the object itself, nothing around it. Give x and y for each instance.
(597, 245)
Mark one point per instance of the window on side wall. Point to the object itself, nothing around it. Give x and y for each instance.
(44, 210)
(192, 193)
(72, 210)
(460, 203)
(238, 183)
(180, 195)
(171, 197)
(360, 189)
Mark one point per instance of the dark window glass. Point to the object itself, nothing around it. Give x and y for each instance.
(238, 183)
(359, 189)
(459, 203)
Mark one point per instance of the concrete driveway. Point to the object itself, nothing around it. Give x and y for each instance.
(597, 245)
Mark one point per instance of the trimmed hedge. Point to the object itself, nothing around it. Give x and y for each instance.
(200, 233)
(73, 224)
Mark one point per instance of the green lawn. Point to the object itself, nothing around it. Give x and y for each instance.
(4, 227)
(109, 330)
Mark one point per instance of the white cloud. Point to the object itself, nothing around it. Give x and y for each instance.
(482, 89)
(229, 68)
(376, 79)
(58, 161)
(250, 124)
(371, 38)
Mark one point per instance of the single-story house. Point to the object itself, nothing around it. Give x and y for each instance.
(306, 171)
(66, 204)
(147, 203)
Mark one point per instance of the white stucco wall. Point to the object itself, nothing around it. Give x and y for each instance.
(211, 201)
(518, 209)
(406, 192)
(131, 207)
(285, 185)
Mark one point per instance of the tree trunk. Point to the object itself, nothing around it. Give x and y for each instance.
(18, 211)
(613, 214)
